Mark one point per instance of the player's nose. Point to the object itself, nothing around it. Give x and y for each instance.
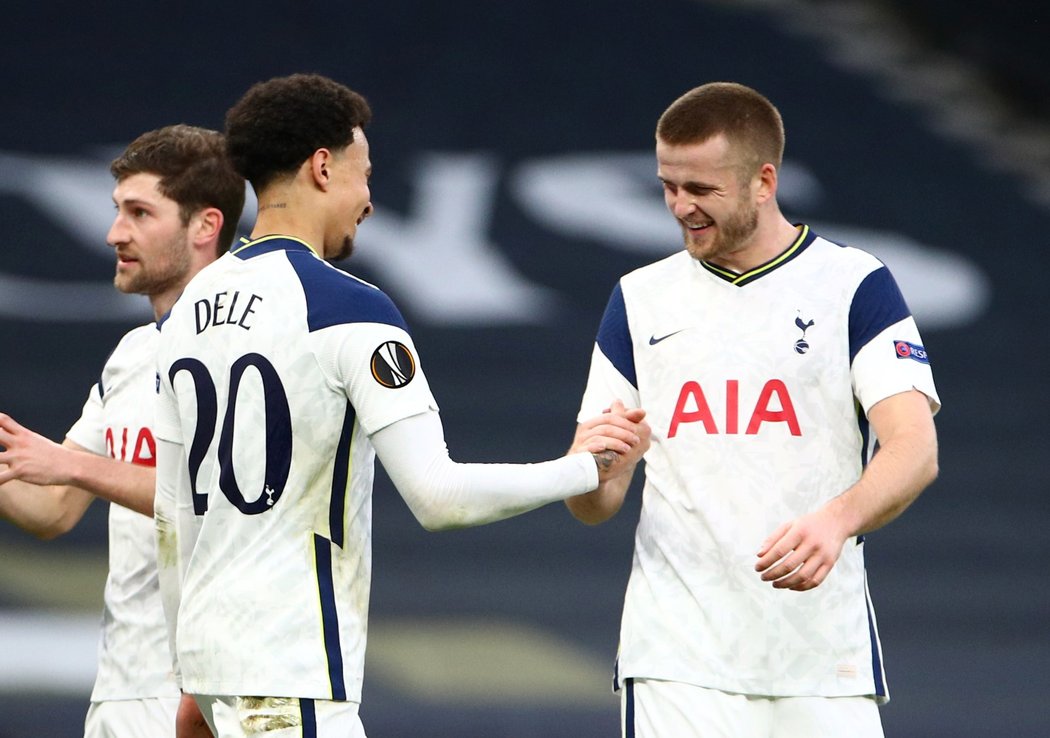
(118, 232)
(682, 205)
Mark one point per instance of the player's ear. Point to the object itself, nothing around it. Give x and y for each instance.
(766, 182)
(206, 225)
(320, 164)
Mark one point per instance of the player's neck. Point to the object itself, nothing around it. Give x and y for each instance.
(286, 219)
(766, 244)
(163, 301)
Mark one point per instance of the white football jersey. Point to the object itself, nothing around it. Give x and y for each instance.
(274, 369)
(757, 388)
(134, 661)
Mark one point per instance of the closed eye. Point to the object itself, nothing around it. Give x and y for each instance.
(693, 188)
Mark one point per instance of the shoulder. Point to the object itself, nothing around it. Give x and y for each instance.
(143, 334)
(872, 287)
(642, 290)
(672, 265)
(134, 353)
(142, 339)
(334, 297)
(657, 278)
(847, 259)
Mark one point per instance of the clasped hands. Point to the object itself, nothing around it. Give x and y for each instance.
(617, 439)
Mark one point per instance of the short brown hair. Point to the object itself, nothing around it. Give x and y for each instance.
(748, 120)
(280, 123)
(193, 169)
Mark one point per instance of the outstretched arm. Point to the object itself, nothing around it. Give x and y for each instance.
(801, 552)
(443, 494)
(46, 487)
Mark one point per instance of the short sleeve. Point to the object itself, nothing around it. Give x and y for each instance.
(89, 430)
(377, 366)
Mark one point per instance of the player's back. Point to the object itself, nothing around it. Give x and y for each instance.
(260, 351)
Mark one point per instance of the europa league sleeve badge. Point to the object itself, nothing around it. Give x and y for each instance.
(393, 365)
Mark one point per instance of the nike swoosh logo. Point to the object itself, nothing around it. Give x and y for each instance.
(653, 340)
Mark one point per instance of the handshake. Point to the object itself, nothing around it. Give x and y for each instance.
(616, 439)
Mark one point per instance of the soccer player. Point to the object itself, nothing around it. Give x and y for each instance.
(772, 364)
(177, 201)
(281, 378)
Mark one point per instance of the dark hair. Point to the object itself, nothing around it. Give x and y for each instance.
(280, 123)
(748, 120)
(194, 172)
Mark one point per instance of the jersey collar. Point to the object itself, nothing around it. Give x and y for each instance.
(805, 238)
(248, 249)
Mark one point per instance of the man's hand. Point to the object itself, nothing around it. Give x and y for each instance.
(617, 439)
(29, 456)
(605, 437)
(800, 554)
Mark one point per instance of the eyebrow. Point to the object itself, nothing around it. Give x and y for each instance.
(133, 201)
(690, 183)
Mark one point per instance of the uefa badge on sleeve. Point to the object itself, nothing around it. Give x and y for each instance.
(393, 365)
(914, 351)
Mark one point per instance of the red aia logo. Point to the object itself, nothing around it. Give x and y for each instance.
(144, 452)
(691, 395)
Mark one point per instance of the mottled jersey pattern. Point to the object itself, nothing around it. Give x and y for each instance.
(757, 387)
(275, 367)
(134, 661)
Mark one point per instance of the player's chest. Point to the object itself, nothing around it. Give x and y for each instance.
(736, 358)
(753, 326)
(129, 394)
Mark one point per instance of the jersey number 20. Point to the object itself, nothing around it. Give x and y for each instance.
(278, 432)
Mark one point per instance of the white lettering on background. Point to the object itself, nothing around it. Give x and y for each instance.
(438, 258)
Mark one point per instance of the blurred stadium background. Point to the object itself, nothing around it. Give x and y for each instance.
(514, 182)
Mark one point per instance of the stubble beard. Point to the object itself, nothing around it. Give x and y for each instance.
(731, 236)
(163, 276)
(346, 250)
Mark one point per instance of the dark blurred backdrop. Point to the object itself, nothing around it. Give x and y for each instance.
(514, 182)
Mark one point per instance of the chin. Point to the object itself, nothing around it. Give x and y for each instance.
(124, 284)
(345, 250)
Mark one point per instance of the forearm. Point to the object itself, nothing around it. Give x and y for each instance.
(905, 464)
(601, 504)
(61, 478)
(598, 506)
(894, 478)
(128, 485)
(444, 495)
(801, 552)
(43, 511)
